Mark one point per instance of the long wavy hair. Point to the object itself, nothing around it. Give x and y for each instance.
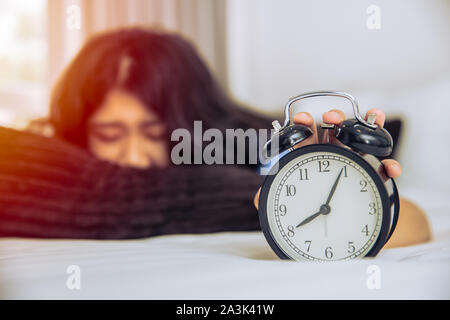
(162, 69)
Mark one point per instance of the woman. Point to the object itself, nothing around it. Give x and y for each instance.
(116, 105)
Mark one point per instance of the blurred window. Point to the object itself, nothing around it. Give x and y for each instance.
(23, 60)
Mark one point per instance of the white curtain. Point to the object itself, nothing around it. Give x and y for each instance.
(201, 21)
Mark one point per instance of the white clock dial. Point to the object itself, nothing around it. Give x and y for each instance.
(324, 206)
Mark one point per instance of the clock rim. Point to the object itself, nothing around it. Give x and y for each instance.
(385, 201)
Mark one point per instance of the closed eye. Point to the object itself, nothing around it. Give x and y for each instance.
(153, 130)
(108, 132)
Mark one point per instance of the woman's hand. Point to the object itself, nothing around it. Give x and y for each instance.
(412, 226)
(334, 116)
(41, 127)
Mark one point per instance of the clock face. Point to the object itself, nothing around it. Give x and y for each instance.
(324, 206)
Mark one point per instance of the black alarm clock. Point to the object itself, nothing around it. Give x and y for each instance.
(325, 202)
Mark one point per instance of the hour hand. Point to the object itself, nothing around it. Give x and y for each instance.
(324, 209)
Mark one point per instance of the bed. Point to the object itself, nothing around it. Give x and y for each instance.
(237, 265)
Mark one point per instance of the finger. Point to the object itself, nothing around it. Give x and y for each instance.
(304, 118)
(41, 128)
(381, 117)
(336, 117)
(392, 167)
(256, 198)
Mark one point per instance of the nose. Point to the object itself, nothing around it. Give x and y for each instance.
(134, 155)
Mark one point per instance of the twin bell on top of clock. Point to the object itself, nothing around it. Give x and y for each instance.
(324, 202)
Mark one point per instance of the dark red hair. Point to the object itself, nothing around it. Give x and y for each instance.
(162, 69)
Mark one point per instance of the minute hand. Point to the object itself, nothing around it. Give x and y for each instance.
(333, 189)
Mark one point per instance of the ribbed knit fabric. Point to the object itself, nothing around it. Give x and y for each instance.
(52, 189)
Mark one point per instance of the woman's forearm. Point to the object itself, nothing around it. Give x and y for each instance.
(412, 226)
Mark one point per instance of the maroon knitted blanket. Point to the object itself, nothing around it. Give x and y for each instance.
(51, 189)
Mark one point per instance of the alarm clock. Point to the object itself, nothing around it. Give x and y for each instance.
(325, 202)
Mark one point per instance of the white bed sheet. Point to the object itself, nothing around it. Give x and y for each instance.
(221, 266)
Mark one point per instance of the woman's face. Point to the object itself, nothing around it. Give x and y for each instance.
(125, 132)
